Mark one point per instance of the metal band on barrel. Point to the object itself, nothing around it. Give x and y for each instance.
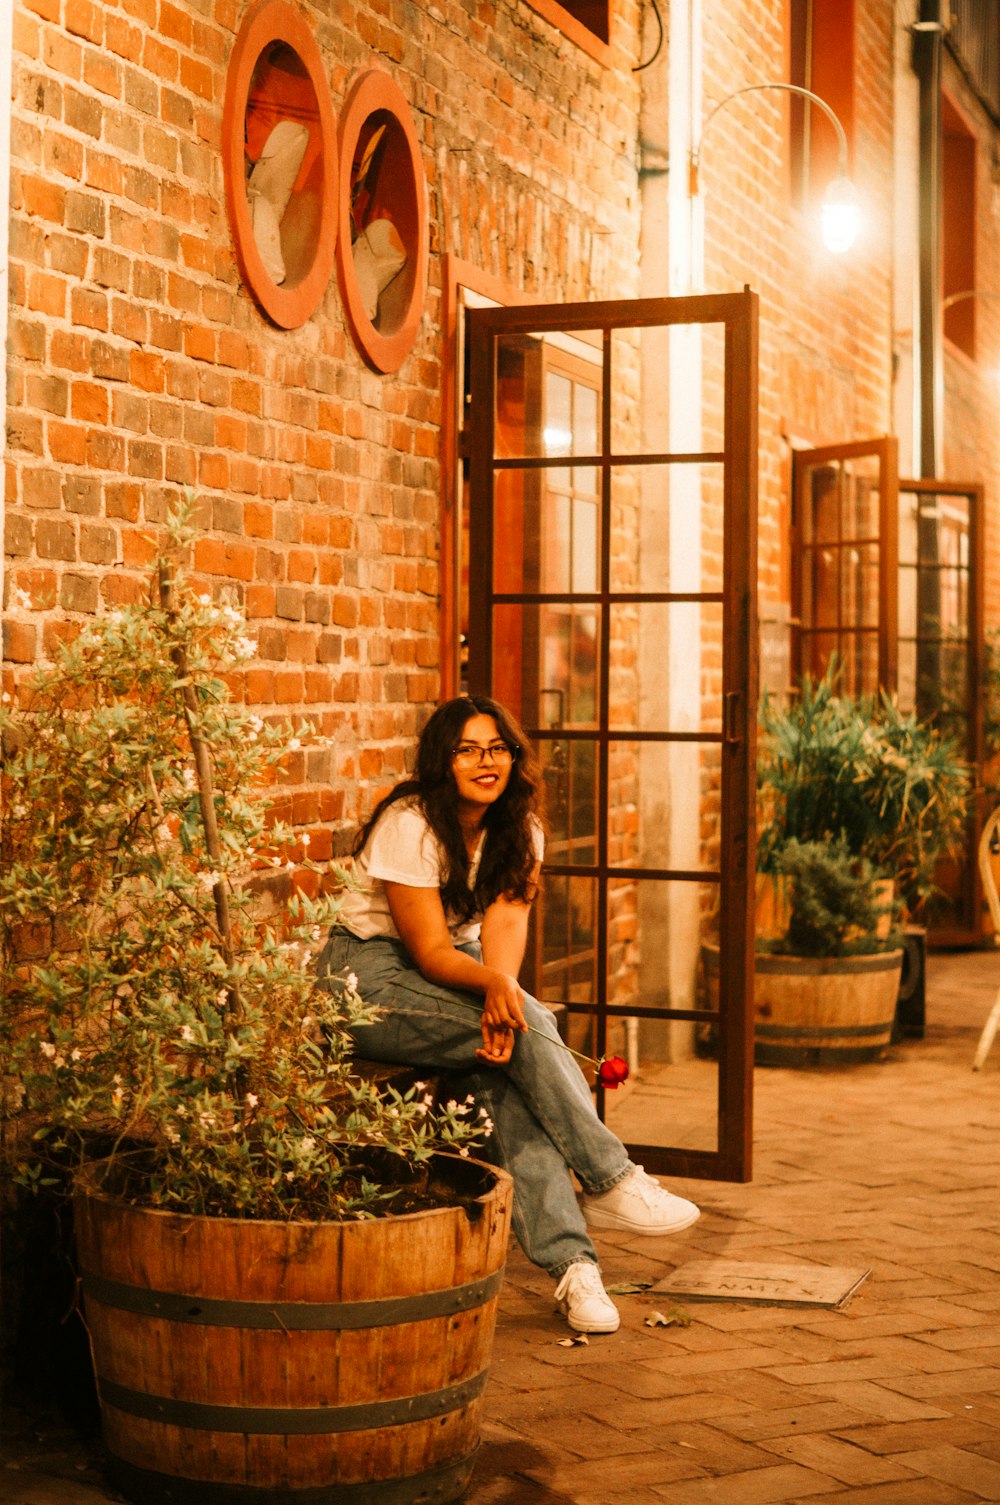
(301, 1316)
(446, 1482)
(291, 1420)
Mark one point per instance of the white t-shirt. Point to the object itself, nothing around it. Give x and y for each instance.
(403, 849)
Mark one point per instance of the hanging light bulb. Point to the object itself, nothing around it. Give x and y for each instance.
(840, 215)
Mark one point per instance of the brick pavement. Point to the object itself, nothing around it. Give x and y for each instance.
(893, 1401)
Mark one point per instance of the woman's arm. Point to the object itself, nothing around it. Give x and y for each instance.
(418, 915)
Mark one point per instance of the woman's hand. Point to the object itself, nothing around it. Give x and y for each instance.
(498, 1044)
(503, 1007)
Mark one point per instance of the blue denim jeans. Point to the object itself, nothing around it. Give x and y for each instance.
(544, 1122)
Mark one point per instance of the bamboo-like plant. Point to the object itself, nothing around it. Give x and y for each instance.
(148, 1005)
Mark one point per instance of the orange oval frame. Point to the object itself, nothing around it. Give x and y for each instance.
(268, 22)
(375, 94)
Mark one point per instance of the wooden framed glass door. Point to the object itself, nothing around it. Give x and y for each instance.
(843, 544)
(612, 607)
(940, 659)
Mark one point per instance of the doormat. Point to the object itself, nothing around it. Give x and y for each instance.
(828, 1286)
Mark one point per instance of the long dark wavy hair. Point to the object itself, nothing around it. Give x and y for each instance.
(508, 859)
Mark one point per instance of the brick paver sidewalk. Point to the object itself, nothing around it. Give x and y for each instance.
(893, 1401)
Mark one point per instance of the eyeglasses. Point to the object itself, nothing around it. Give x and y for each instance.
(472, 755)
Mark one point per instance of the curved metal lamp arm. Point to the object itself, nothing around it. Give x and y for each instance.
(968, 292)
(753, 89)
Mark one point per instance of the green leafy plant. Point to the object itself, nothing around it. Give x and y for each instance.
(835, 907)
(150, 1006)
(859, 771)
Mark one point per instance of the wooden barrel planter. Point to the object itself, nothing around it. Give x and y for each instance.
(814, 1011)
(293, 1363)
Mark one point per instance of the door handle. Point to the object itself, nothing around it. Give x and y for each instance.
(731, 721)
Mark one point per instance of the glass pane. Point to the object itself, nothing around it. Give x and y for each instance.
(859, 663)
(677, 369)
(665, 670)
(817, 650)
(558, 431)
(907, 605)
(546, 530)
(683, 1093)
(907, 527)
(907, 685)
(660, 540)
(547, 394)
(820, 587)
(546, 664)
(821, 507)
(664, 805)
(861, 498)
(570, 776)
(564, 954)
(655, 934)
(859, 600)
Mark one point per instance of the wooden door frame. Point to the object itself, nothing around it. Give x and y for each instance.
(737, 313)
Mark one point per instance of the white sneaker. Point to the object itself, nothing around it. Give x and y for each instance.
(640, 1205)
(584, 1302)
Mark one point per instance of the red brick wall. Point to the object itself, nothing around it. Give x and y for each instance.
(139, 365)
(825, 321)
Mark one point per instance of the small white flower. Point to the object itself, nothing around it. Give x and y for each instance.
(206, 1119)
(190, 782)
(75, 1054)
(181, 1111)
(293, 744)
(244, 648)
(19, 599)
(187, 1033)
(163, 832)
(204, 600)
(487, 1127)
(47, 1049)
(463, 1150)
(306, 838)
(417, 1086)
(352, 982)
(452, 1106)
(256, 723)
(308, 1144)
(221, 998)
(289, 1175)
(208, 880)
(252, 1100)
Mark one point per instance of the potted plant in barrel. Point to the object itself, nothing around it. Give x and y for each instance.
(857, 799)
(289, 1291)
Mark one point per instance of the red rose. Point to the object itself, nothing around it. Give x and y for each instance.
(612, 1071)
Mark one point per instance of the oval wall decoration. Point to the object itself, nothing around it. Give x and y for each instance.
(382, 231)
(280, 162)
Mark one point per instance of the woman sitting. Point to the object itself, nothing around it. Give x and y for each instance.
(448, 867)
